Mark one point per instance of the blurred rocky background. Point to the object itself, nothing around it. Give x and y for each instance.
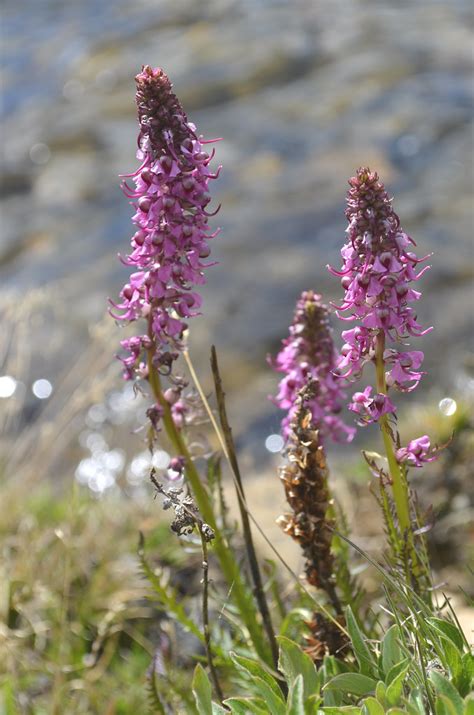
(302, 92)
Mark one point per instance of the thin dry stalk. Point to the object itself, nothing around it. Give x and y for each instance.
(249, 545)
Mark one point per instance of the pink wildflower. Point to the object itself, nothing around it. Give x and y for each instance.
(404, 373)
(417, 452)
(169, 248)
(377, 272)
(370, 409)
(309, 353)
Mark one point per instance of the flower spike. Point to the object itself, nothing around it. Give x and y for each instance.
(171, 197)
(309, 354)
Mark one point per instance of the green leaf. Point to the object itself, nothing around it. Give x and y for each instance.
(416, 699)
(202, 691)
(396, 711)
(464, 682)
(7, 699)
(354, 683)
(292, 661)
(244, 706)
(257, 674)
(451, 658)
(391, 651)
(218, 709)
(395, 670)
(445, 688)
(348, 709)
(448, 629)
(364, 657)
(444, 706)
(413, 709)
(166, 595)
(380, 692)
(295, 698)
(469, 705)
(311, 704)
(371, 706)
(293, 621)
(395, 680)
(330, 667)
(274, 703)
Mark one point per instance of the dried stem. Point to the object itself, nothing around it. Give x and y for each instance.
(206, 534)
(249, 545)
(205, 614)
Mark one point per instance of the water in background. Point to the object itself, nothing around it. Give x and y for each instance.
(302, 92)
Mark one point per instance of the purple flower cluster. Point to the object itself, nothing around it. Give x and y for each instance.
(169, 248)
(377, 274)
(309, 353)
(378, 268)
(370, 408)
(417, 452)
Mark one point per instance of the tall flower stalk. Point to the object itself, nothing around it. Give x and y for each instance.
(168, 257)
(378, 272)
(171, 243)
(311, 394)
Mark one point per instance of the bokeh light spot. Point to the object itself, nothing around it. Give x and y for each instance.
(274, 443)
(447, 406)
(7, 386)
(40, 153)
(42, 389)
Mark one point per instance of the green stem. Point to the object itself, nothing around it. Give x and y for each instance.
(397, 473)
(228, 564)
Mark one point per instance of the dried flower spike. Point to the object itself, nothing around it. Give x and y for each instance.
(305, 481)
(325, 638)
(309, 354)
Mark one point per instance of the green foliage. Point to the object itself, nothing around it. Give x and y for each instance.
(352, 684)
(391, 651)
(156, 704)
(372, 706)
(293, 662)
(448, 699)
(82, 625)
(264, 692)
(365, 658)
(295, 705)
(246, 706)
(261, 683)
(73, 604)
(202, 691)
(304, 697)
(166, 595)
(421, 663)
(450, 630)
